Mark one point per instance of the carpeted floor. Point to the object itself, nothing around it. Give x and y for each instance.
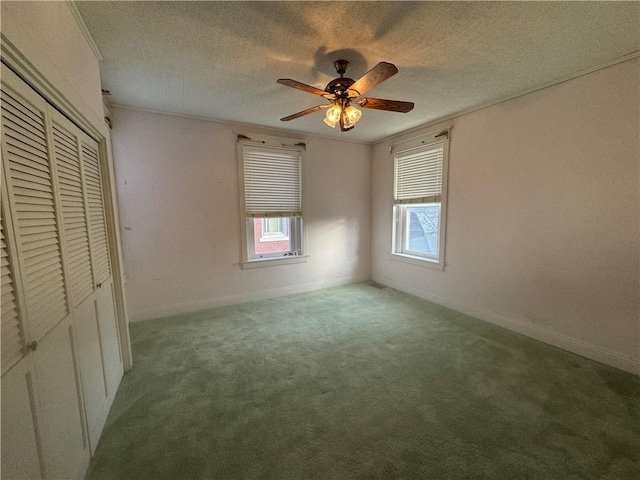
(359, 382)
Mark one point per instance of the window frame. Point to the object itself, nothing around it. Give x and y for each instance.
(399, 251)
(280, 235)
(294, 238)
(297, 232)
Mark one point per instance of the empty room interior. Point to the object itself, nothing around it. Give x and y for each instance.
(328, 240)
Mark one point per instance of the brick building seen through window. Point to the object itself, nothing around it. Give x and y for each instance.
(271, 235)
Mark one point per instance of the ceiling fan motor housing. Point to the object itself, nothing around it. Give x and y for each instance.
(339, 86)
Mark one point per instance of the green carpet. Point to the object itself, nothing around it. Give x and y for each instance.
(359, 382)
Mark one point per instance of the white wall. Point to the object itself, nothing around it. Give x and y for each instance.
(543, 221)
(177, 182)
(48, 35)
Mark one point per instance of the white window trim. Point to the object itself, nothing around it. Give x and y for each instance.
(420, 261)
(273, 261)
(271, 142)
(431, 138)
(269, 255)
(274, 238)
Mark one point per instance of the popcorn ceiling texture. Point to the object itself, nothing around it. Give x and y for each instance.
(221, 60)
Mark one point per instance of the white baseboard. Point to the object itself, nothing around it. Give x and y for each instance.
(188, 307)
(559, 340)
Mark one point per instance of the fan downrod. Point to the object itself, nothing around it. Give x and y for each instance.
(341, 66)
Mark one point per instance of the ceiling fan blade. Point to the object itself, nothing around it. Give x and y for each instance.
(304, 112)
(373, 77)
(304, 87)
(389, 105)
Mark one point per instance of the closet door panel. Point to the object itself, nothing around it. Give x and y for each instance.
(21, 449)
(95, 210)
(112, 358)
(60, 403)
(25, 153)
(12, 334)
(72, 205)
(90, 358)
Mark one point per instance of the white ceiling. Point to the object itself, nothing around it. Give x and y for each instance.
(221, 60)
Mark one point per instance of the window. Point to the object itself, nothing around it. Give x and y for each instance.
(272, 203)
(419, 200)
(274, 229)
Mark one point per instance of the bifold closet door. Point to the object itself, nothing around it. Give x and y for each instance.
(20, 449)
(44, 383)
(25, 151)
(87, 261)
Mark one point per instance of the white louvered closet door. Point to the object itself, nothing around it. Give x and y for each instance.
(66, 150)
(12, 335)
(25, 153)
(95, 210)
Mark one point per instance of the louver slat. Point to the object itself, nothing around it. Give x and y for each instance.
(76, 234)
(29, 173)
(95, 211)
(12, 339)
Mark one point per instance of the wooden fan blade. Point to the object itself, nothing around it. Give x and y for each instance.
(389, 105)
(373, 77)
(304, 87)
(304, 112)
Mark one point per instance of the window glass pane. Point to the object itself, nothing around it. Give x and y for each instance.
(271, 236)
(275, 226)
(422, 229)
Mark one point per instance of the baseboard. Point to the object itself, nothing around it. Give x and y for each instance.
(565, 342)
(187, 307)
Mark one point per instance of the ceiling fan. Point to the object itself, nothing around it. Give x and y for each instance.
(342, 92)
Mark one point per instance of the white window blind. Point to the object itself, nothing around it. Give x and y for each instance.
(272, 182)
(418, 175)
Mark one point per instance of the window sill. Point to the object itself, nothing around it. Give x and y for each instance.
(274, 238)
(273, 261)
(422, 262)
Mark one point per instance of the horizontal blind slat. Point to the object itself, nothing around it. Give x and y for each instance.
(418, 174)
(272, 181)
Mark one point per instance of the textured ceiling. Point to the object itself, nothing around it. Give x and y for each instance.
(221, 60)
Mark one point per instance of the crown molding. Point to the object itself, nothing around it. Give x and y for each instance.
(83, 28)
(240, 127)
(21, 66)
(566, 78)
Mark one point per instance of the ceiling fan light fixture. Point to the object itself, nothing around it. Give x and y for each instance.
(352, 114)
(330, 123)
(343, 90)
(333, 115)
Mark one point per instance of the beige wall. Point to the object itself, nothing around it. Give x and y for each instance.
(48, 35)
(177, 181)
(543, 221)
